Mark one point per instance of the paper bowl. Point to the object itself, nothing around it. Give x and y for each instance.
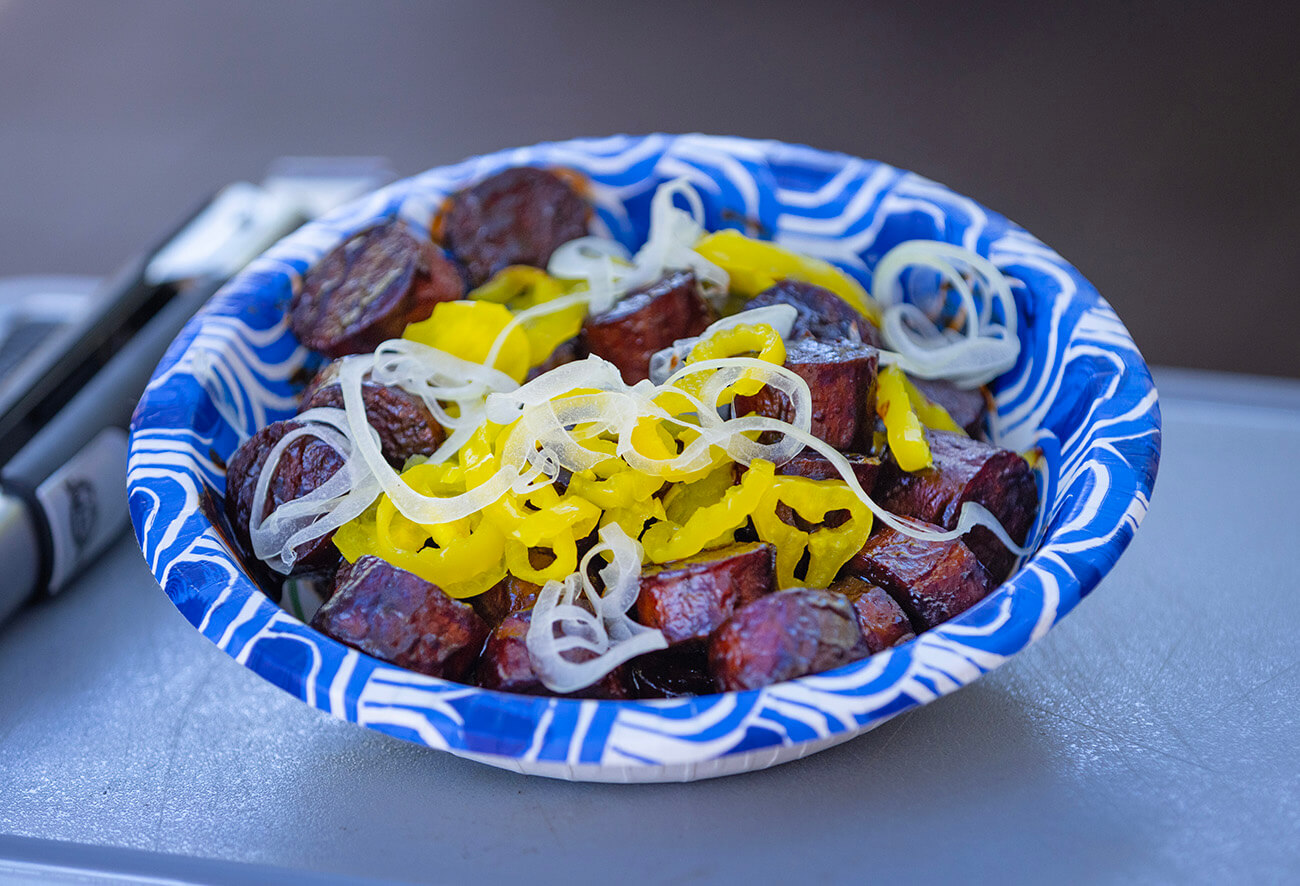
(1080, 393)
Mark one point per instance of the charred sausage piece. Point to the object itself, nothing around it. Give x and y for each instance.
(306, 463)
(883, 622)
(402, 619)
(967, 470)
(687, 599)
(645, 321)
(405, 425)
(506, 665)
(968, 408)
(509, 595)
(842, 379)
(785, 635)
(516, 217)
(823, 315)
(367, 289)
(932, 580)
(672, 673)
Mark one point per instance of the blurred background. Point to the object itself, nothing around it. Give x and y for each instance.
(1155, 149)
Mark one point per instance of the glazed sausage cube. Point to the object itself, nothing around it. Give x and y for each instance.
(402, 619)
(932, 580)
(687, 599)
(509, 595)
(681, 670)
(516, 217)
(368, 288)
(823, 315)
(967, 470)
(646, 321)
(883, 622)
(842, 379)
(305, 463)
(968, 408)
(404, 423)
(505, 664)
(785, 635)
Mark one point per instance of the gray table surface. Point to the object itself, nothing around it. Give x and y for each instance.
(1152, 736)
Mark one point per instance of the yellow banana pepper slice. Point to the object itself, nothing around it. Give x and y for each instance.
(906, 413)
(829, 548)
(754, 265)
(467, 329)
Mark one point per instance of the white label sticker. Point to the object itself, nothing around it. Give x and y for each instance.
(85, 504)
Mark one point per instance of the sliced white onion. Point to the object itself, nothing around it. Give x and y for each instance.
(339, 499)
(608, 272)
(603, 264)
(984, 350)
(606, 632)
(415, 506)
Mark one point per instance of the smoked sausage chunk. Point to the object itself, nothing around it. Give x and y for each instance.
(405, 425)
(932, 580)
(645, 321)
(305, 463)
(785, 635)
(823, 315)
(365, 291)
(509, 595)
(679, 671)
(506, 665)
(402, 619)
(883, 622)
(812, 464)
(968, 408)
(967, 470)
(687, 599)
(842, 379)
(516, 217)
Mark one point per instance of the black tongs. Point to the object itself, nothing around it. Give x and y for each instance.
(64, 409)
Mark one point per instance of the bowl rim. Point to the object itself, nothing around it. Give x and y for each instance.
(193, 570)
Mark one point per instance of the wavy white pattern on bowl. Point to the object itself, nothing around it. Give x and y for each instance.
(1080, 391)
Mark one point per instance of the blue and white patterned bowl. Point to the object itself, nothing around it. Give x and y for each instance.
(1080, 392)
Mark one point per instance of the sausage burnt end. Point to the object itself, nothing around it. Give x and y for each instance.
(883, 622)
(645, 321)
(823, 315)
(966, 470)
(404, 423)
(505, 664)
(687, 599)
(402, 619)
(932, 580)
(365, 291)
(785, 635)
(305, 463)
(842, 379)
(516, 217)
